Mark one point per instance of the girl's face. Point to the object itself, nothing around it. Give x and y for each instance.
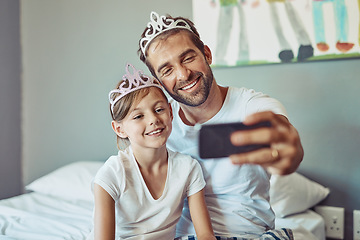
(148, 123)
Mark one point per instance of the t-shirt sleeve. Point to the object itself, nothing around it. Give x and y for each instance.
(259, 102)
(196, 179)
(109, 177)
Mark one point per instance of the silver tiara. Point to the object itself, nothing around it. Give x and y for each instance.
(159, 24)
(131, 82)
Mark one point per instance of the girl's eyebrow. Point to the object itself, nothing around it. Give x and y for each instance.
(157, 102)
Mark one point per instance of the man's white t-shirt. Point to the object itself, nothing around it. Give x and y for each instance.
(237, 196)
(138, 214)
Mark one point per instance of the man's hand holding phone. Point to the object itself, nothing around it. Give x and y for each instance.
(215, 139)
(276, 146)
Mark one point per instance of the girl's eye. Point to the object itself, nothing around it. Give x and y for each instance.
(158, 110)
(137, 117)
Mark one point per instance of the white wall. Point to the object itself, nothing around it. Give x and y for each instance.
(74, 52)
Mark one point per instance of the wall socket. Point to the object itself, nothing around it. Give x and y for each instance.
(356, 215)
(334, 220)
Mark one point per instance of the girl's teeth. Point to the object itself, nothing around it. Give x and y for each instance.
(155, 132)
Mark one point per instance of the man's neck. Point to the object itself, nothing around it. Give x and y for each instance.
(200, 114)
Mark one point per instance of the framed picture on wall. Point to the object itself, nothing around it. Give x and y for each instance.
(251, 32)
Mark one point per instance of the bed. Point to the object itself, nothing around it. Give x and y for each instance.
(59, 205)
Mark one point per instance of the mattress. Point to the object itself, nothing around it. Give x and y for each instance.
(34, 216)
(60, 206)
(41, 217)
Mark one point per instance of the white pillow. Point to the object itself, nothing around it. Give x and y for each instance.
(294, 193)
(71, 182)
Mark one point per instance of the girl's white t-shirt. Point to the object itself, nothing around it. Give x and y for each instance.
(138, 214)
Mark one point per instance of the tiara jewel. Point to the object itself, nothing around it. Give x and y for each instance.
(131, 82)
(159, 24)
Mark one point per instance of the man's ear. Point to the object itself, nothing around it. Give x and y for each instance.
(208, 55)
(116, 126)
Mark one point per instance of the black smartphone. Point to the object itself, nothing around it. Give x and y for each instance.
(214, 139)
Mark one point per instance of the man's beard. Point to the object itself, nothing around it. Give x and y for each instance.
(196, 98)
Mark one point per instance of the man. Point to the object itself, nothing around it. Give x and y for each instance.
(237, 187)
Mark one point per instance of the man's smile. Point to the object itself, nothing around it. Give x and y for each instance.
(191, 85)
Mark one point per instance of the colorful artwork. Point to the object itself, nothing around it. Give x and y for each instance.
(250, 32)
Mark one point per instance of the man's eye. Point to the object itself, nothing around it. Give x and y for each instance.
(166, 72)
(189, 59)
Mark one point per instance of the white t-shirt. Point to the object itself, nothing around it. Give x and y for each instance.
(237, 196)
(138, 214)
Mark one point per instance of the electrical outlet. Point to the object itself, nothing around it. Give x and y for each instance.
(356, 215)
(334, 220)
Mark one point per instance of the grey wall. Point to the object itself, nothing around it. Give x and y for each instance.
(322, 103)
(74, 52)
(10, 99)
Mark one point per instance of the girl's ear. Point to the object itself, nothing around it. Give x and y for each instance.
(116, 126)
(171, 112)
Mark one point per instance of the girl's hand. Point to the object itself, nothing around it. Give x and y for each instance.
(200, 216)
(104, 218)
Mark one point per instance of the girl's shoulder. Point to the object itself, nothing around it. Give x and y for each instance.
(116, 163)
(113, 174)
(181, 160)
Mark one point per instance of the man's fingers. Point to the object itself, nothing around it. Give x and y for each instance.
(277, 159)
(261, 156)
(265, 135)
(285, 152)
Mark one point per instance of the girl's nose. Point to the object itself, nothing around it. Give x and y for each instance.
(153, 119)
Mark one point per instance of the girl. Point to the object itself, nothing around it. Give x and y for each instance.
(139, 193)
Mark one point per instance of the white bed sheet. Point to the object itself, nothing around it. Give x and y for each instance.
(35, 216)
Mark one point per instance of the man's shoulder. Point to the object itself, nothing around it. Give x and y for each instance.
(241, 96)
(244, 92)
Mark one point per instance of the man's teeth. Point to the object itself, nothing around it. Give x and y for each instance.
(155, 132)
(190, 85)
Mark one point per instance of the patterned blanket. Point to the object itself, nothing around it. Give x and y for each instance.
(278, 234)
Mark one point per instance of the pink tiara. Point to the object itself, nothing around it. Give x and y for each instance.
(159, 24)
(131, 82)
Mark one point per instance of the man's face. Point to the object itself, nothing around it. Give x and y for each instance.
(182, 68)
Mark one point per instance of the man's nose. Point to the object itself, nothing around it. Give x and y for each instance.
(182, 73)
